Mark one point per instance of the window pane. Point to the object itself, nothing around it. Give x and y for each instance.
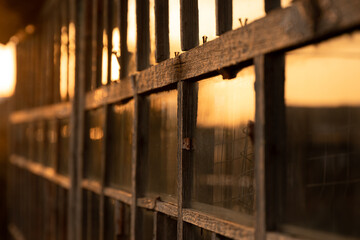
(94, 143)
(115, 26)
(160, 163)
(174, 27)
(250, 9)
(223, 156)
(131, 37)
(147, 223)
(119, 154)
(207, 19)
(64, 135)
(323, 132)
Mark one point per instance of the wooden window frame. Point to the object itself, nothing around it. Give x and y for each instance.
(263, 43)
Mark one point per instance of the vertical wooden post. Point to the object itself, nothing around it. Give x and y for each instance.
(223, 11)
(77, 126)
(269, 140)
(134, 165)
(189, 24)
(143, 34)
(123, 39)
(162, 30)
(187, 102)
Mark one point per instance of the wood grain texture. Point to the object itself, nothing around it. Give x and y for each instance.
(187, 110)
(109, 94)
(217, 225)
(260, 216)
(162, 30)
(189, 24)
(223, 12)
(158, 205)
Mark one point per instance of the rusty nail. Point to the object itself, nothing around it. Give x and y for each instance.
(177, 54)
(204, 38)
(241, 23)
(246, 20)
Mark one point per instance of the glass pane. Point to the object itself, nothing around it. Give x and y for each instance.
(64, 135)
(247, 9)
(169, 229)
(122, 220)
(30, 141)
(223, 156)
(207, 19)
(174, 27)
(147, 223)
(119, 154)
(160, 163)
(94, 143)
(72, 58)
(323, 131)
(52, 139)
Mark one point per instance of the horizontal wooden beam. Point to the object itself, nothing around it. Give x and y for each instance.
(158, 205)
(282, 29)
(91, 185)
(119, 195)
(111, 93)
(40, 170)
(61, 110)
(217, 225)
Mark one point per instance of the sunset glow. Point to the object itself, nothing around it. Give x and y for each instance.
(7, 69)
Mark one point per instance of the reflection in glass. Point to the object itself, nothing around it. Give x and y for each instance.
(250, 9)
(223, 156)
(207, 19)
(174, 27)
(131, 37)
(119, 155)
(64, 63)
(94, 143)
(161, 158)
(72, 44)
(323, 131)
(91, 216)
(64, 137)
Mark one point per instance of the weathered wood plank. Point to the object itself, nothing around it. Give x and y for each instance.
(260, 215)
(60, 110)
(187, 108)
(109, 94)
(119, 195)
(162, 30)
(280, 29)
(223, 10)
(189, 24)
(217, 225)
(91, 185)
(158, 205)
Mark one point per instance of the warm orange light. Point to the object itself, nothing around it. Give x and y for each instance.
(227, 102)
(64, 63)
(115, 67)
(7, 69)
